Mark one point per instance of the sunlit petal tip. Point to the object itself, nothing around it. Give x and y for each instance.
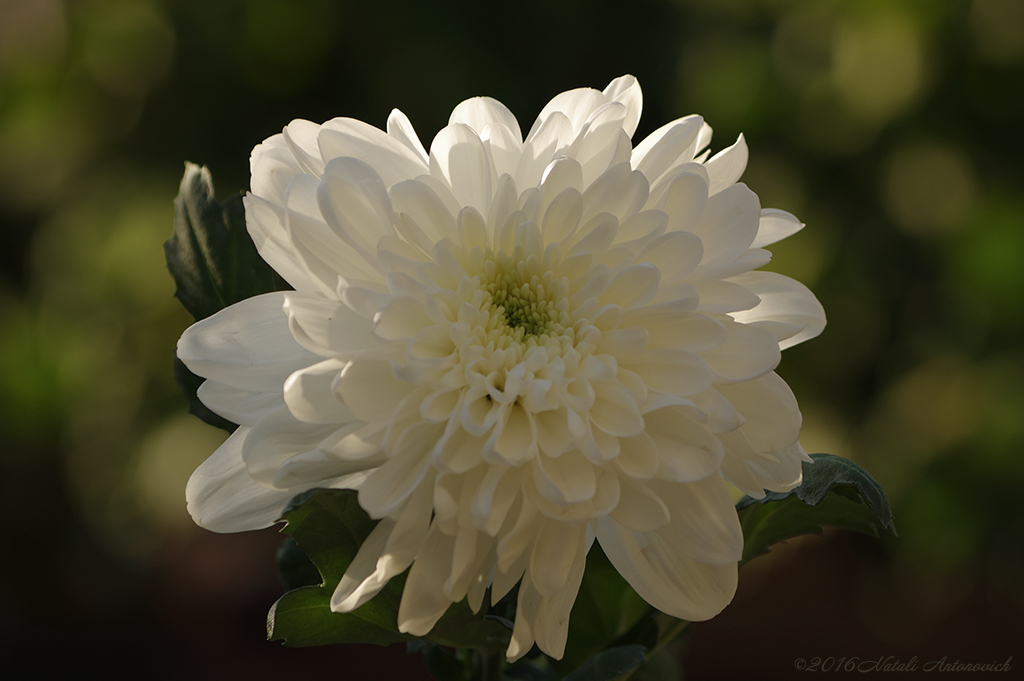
(626, 89)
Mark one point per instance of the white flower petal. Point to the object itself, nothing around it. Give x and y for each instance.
(632, 287)
(729, 223)
(513, 439)
(387, 552)
(670, 145)
(470, 550)
(768, 404)
(670, 370)
(423, 602)
(516, 538)
(684, 330)
(327, 327)
(527, 610)
(684, 201)
(725, 167)
(594, 237)
(551, 625)
(369, 388)
(402, 317)
(605, 498)
(263, 220)
(782, 300)
(620, 191)
(246, 346)
(323, 252)
(400, 128)
(686, 451)
(472, 229)
(273, 167)
(749, 260)
(561, 174)
(673, 583)
(365, 301)
(553, 554)
(420, 202)
(735, 467)
(724, 297)
(562, 216)
(576, 105)
(479, 112)
(543, 144)
(704, 525)
(503, 147)
(746, 353)
(638, 456)
(390, 485)
(301, 138)
(443, 191)
(784, 475)
(565, 480)
(639, 508)
(318, 468)
(354, 202)
(641, 229)
(596, 145)
(355, 441)
(458, 156)
(275, 439)
(615, 411)
(775, 225)
(364, 579)
(244, 407)
(504, 204)
(309, 394)
(388, 156)
(626, 89)
(223, 497)
(623, 342)
(495, 496)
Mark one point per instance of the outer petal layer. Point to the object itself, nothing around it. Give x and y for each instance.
(664, 577)
(223, 497)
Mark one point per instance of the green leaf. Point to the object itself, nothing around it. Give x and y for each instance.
(211, 257)
(609, 665)
(214, 264)
(330, 526)
(295, 567)
(835, 493)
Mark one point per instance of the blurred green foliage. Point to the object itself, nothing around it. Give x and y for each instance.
(892, 128)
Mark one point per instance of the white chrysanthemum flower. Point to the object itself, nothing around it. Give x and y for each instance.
(510, 348)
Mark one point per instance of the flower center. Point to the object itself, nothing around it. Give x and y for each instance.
(526, 301)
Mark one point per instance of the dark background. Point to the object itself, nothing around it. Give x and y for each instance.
(892, 128)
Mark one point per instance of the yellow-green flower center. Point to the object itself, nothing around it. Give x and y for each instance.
(530, 301)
